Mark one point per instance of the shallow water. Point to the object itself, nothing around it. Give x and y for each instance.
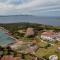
(5, 39)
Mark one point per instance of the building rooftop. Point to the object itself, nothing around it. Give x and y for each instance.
(9, 57)
(48, 33)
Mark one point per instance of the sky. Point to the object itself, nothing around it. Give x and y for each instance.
(30, 7)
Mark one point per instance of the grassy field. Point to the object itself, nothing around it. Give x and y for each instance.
(46, 52)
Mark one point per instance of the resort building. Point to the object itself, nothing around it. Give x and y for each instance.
(50, 36)
(58, 36)
(9, 57)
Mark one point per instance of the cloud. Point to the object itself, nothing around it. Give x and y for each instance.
(29, 7)
(2, 1)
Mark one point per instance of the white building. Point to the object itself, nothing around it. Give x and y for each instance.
(53, 57)
(58, 36)
(49, 36)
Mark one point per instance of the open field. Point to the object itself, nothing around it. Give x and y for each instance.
(46, 52)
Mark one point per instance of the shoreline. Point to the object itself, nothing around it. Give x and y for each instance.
(2, 29)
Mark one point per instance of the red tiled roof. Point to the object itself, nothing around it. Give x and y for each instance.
(10, 58)
(48, 33)
(7, 58)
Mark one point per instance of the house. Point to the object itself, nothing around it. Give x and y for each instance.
(49, 36)
(22, 31)
(58, 36)
(17, 44)
(9, 57)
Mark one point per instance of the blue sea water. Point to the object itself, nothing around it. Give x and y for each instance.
(5, 39)
(33, 19)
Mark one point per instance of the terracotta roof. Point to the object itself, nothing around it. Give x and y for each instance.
(48, 33)
(7, 58)
(10, 58)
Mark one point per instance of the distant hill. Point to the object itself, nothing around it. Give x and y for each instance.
(30, 16)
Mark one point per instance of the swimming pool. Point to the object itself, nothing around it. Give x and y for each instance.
(5, 39)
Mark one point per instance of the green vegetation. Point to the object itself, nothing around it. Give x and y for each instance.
(7, 51)
(50, 50)
(14, 27)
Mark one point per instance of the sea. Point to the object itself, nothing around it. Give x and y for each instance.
(5, 39)
(55, 21)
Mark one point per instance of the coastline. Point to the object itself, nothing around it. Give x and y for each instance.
(2, 29)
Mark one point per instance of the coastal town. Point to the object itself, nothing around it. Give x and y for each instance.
(30, 44)
(29, 29)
